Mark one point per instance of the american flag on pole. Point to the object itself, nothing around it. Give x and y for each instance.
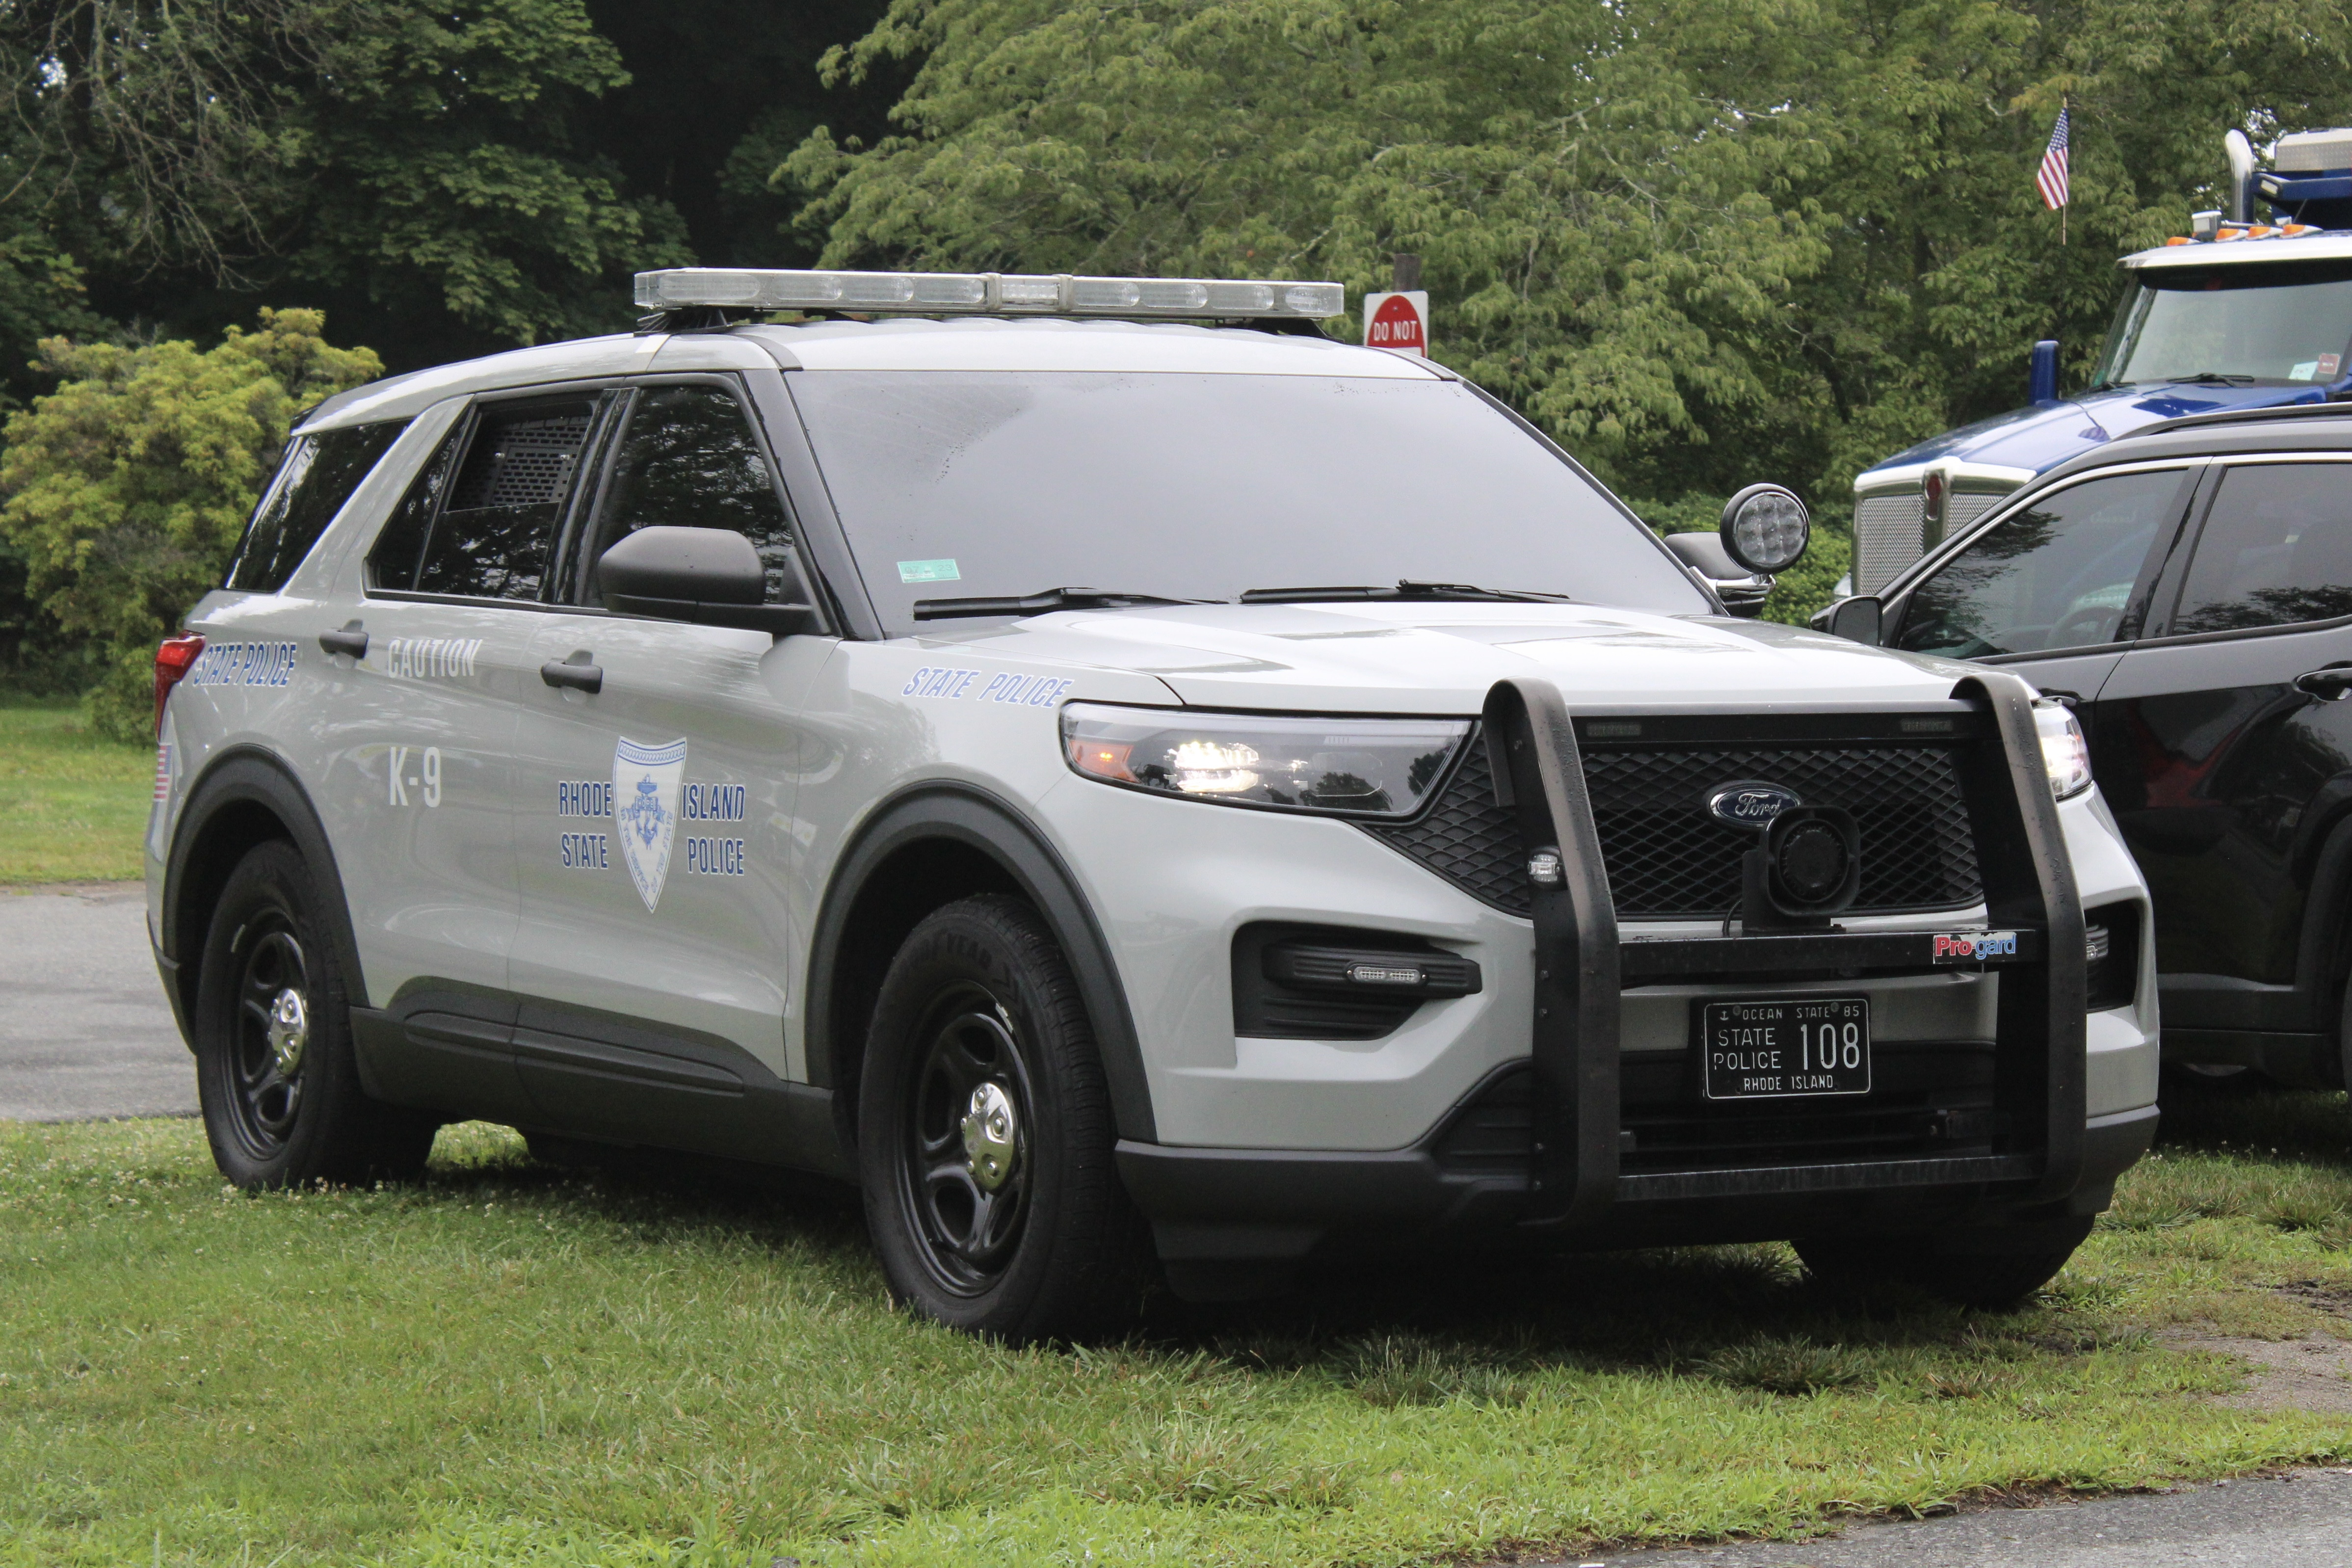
(2051, 180)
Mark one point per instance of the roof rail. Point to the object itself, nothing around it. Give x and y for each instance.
(2244, 416)
(708, 295)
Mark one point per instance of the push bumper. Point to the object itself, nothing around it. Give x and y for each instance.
(1562, 1175)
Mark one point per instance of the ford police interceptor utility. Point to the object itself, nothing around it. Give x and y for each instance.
(1127, 780)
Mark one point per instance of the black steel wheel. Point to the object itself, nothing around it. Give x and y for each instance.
(276, 1075)
(967, 1179)
(270, 1034)
(984, 1134)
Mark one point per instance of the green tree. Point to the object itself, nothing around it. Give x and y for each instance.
(125, 490)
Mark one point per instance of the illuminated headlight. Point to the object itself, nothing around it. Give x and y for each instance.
(1347, 767)
(2064, 752)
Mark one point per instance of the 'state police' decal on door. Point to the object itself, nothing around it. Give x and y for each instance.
(645, 781)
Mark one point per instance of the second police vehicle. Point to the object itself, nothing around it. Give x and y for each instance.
(1133, 784)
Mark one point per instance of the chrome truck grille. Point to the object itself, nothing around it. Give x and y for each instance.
(1894, 525)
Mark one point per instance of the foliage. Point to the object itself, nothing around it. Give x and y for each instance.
(1701, 241)
(658, 1367)
(126, 488)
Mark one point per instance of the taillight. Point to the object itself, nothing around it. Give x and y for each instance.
(174, 658)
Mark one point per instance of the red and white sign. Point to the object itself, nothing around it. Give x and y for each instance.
(1398, 321)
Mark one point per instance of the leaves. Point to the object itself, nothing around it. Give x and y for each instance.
(127, 487)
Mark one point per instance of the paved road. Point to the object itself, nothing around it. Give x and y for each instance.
(2303, 1521)
(84, 1029)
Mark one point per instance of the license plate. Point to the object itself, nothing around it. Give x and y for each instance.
(1786, 1047)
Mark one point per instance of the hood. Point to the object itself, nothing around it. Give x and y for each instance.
(1442, 658)
(2046, 434)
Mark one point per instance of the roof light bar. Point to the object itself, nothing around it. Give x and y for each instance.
(984, 293)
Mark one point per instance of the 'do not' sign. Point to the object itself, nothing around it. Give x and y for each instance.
(1398, 320)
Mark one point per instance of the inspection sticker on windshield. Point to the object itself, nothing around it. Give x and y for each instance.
(929, 571)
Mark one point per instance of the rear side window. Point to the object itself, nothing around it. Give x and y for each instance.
(688, 459)
(314, 479)
(2276, 550)
(481, 520)
(2057, 575)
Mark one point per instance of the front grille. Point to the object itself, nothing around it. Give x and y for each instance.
(1887, 535)
(1469, 838)
(1667, 858)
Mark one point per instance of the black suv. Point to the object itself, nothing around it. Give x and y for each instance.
(2187, 590)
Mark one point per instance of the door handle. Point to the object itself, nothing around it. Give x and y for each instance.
(2330, 684)
(577, 672)
(352, 639)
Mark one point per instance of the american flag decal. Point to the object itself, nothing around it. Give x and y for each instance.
(2051, 180)
(163, 771)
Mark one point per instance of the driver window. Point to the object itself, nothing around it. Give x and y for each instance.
(2056, 575)
(2276, 551)
(689, 460)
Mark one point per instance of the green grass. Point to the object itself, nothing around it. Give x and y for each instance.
(76, 804)
(517, 1366)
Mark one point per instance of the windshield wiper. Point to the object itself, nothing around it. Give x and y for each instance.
(2210, 378)
(1039, 603)
(1404, 590)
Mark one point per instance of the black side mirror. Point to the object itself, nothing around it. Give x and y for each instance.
(1765, 527)
(709, 576)
(1856, 619)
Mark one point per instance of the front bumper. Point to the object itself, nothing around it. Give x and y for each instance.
(1566, 1149)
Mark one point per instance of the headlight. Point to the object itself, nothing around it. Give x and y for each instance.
(1345, 767)
(2064, 752)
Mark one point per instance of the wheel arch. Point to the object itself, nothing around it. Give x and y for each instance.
(925, 849)
(244, 797)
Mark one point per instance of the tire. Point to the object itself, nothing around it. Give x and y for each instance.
(984, 1134)
(276, 1074)
(1980, 1266)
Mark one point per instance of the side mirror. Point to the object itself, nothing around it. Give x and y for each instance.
(709, 576)
(1765, 529)
(1743, 592)
(1856, 619)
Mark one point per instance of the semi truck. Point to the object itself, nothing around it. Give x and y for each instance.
(2244, 311)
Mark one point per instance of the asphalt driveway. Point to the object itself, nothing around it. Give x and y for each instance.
(84, 1029)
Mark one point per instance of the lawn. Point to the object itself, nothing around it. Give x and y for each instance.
(514, 1364)
(75, 804)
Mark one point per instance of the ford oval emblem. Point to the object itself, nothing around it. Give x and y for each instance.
(1751, 803)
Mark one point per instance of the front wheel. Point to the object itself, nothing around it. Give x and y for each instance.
(984, 1134)
(276, 1075)
(1969, 1265)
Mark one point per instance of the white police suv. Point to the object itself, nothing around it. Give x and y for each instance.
(1122, 777)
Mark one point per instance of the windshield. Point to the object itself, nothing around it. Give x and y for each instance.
(958, 484)
(2253, 325)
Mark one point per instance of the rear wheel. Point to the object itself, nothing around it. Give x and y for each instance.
(984, 1134)
(276, 1075)
(1971, 1266)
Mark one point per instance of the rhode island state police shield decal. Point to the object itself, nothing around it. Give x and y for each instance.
(644, 800)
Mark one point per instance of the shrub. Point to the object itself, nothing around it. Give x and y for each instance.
(125, 490)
